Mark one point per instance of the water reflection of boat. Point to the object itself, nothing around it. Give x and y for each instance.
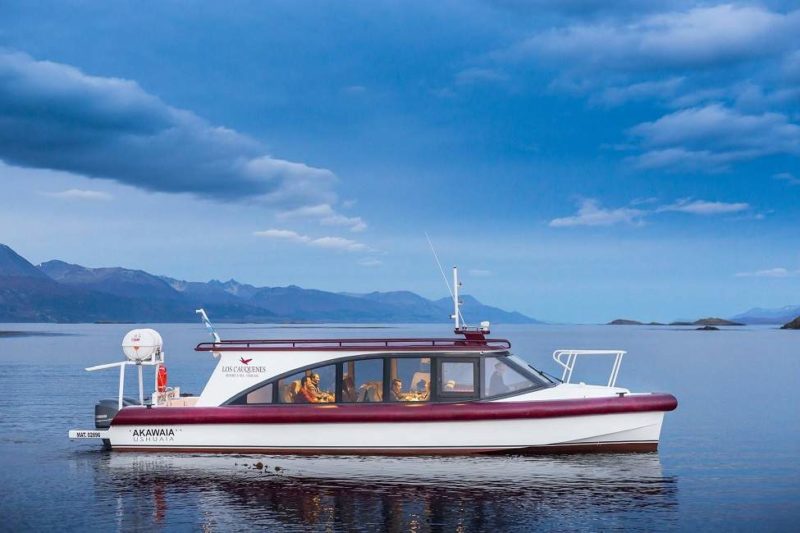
(463, 395)
(387, 493)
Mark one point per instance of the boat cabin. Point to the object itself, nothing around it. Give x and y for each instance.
(430, 377)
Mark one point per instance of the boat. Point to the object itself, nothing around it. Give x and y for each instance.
(467, 394)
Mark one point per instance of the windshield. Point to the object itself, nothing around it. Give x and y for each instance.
(506, 375)
(527, 366)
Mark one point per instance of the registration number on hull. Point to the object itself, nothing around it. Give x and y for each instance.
(87, 434)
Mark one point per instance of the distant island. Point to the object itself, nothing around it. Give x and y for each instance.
(710, 322)
(794, 324)
(626, 322)
(754, 316)
(56, 291)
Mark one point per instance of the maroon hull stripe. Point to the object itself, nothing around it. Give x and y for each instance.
(410, 412)
(585, 447)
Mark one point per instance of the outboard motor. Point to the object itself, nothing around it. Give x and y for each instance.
(106, 410)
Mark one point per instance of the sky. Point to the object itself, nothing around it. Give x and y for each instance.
(580, 160)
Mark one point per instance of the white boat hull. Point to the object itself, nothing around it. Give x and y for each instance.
(634, 431)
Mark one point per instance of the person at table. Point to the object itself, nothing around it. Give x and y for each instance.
(422, 376)
(315, 383)
(323, 396)
(396, 393)
(348, 389)
(309, 393)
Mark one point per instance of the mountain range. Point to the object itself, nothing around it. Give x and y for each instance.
(759, 315)
(56, 291)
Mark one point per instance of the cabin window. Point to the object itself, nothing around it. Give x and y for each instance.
(362, 381)
(315, 385)
(409, 379)
(457, 378)
(501, 378)
(259, 396)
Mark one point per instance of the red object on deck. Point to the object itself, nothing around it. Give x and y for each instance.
(161, 379)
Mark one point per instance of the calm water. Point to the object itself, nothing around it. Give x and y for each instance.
(729, 458)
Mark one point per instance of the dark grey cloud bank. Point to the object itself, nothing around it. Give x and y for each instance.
(56, 117)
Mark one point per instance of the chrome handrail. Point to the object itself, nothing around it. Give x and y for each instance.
(567, 359)
(353, 344)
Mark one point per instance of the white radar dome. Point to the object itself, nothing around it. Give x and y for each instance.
(141, 344)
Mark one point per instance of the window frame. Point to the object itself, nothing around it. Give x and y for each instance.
(443, 396)
(387, 377)
(437, 396)
(340, 376)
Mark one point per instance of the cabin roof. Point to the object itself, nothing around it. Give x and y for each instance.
(364, 345)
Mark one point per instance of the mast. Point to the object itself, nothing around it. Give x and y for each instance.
(476, 333)
(456, 304)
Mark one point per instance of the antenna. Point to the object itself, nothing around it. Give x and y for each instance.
(208, 325)
(456, 304)
(439, 264)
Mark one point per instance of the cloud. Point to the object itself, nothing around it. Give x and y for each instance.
(731, 70)
(585, 8)
(354, 90)
(728, 128)
(370, 262)
(475, 75)
(56, 117)
(326, 216)
(713, 136)
(778, 272)
(788, 177)
(354, 223)
(330, 243)
(591, 214)
(282, 234)
(680, 158)
(701, 207)
(661, 90)
(790, 69)
(338, 243)
(701, 37)
(80, 194)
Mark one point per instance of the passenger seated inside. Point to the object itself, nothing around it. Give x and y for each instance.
(497, 384)
(370, 392)
(290, 391)
(322, 396)
(348, 389)
(420, 381)
(423, 374)
(396, 392)
(310, 393)
(423, 390)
